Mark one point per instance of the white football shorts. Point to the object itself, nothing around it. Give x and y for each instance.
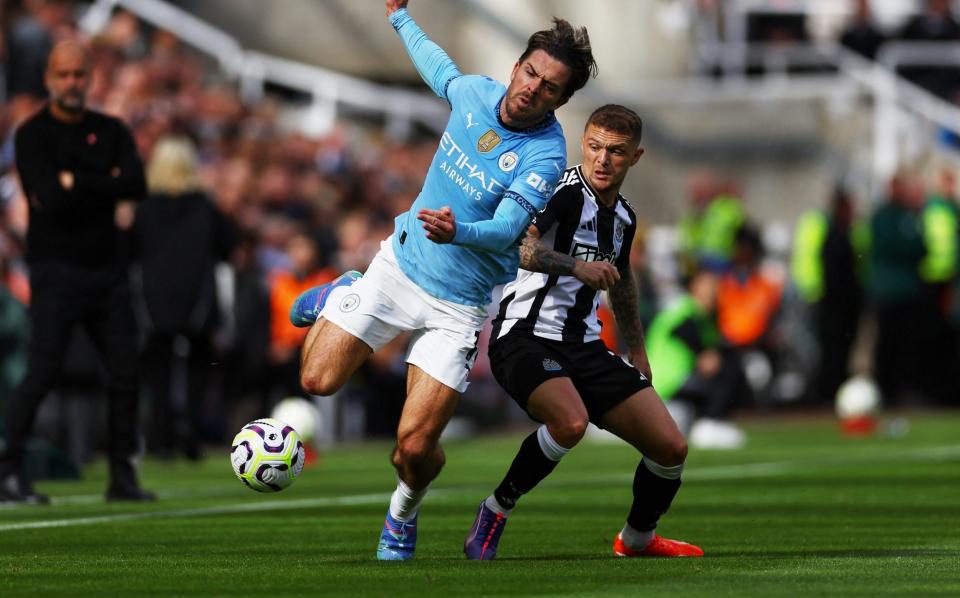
(384, 303)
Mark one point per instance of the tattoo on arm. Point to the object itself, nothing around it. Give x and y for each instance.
(625, 301)
(537, 257)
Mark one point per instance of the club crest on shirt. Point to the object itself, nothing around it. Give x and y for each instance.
(488, 141)
(350, 303)
(550, 365)
(618, 232)
(508, 161)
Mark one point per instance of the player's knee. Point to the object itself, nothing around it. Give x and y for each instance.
(414, 450)
(569, 431)
(674, 452)
(320, 381)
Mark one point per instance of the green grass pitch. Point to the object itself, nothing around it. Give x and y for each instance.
(802, 511)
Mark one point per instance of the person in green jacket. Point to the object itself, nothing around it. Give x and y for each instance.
(707, 234)
(938, 270)
(694, 371)
(898, 292)
(829, 250)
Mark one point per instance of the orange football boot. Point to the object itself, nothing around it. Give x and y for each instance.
(657, 547)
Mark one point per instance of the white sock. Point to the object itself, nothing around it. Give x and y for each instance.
(668, 473)
(549, 446)
(494, 505)
(405, 501)
(635, 539)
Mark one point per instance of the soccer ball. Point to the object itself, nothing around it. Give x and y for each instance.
(858, 401)
(267, 455)
(857, 397)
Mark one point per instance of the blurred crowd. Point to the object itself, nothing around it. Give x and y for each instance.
(786, 24)
(294, 211)
(244, 213)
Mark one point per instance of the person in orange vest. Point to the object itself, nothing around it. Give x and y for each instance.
(306, 270)
(748, 298)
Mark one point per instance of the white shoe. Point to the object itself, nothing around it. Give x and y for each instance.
(716, 434)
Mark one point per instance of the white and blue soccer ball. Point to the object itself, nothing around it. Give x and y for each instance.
(267, 455)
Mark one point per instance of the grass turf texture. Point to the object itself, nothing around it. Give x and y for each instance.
(800, 511)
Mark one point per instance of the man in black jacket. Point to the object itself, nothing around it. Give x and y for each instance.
(74, 165)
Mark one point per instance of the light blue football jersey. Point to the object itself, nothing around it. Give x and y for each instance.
(480, 162)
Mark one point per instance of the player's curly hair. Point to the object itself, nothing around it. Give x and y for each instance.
(571, 46)
(617, 118)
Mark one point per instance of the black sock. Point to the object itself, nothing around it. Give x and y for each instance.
(652, 494)
(528, 469)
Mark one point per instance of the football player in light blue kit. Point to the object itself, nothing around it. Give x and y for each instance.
(496, 166)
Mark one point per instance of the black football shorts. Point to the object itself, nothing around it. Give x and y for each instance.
(522, 362)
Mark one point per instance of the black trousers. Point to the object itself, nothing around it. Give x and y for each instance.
(64, 297)
(171, 425)
(716, 396)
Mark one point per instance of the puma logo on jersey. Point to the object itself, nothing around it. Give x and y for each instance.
(470, 122)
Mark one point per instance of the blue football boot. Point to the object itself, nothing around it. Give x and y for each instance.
(398, 539)
(481, 543)
(307, 307)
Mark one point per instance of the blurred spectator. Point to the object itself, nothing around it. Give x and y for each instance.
(179, 236)
(896, 290)
(14, 333)
(308, 268)
(861, 34)
(747, 296)
(640, 263)
(827, 266)
(934, 24)
(30, 38)
(708, 231)
(702, 382)
(938, 269)
(248, 318)
(748, 302)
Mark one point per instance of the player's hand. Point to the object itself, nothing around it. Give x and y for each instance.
(441, 225)
(599, 276)
(66, 180)
(638, 357)
(395, 5)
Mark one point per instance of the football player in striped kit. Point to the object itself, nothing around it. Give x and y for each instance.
(547, 353)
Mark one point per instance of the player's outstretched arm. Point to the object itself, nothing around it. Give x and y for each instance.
(496, 234)
(433, 64)
(625, 301)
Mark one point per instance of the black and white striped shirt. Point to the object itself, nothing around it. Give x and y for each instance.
(573, 222)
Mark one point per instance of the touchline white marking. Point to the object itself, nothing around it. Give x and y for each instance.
(722, 472)
(271, 505)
